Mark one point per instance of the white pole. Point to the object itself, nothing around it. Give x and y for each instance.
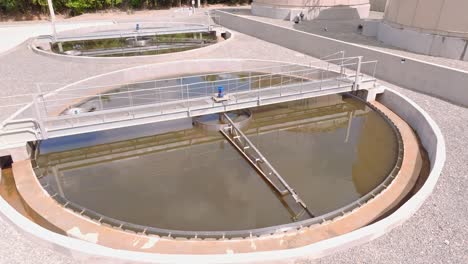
(52, 18)
(198, 3)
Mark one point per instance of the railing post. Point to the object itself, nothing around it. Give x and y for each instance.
(357, 81)
(342, 63)
(39, 92)
(42, 128)
(259, 87)
(302, 84)
(281, 84)
(130, 98)
(181, 88)
(101, 105)
(271, 79)
(160, 100)
(328, 69)
(212, 88)
(373, 74)
(38, 87)
(321, 79)
(188, 96)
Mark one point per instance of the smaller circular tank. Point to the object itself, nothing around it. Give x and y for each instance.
(441, 17)
(436, 27)
(323, 9)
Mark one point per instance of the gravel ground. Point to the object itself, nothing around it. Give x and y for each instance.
(436, 234)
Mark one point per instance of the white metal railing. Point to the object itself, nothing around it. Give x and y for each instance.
(158, 97)
(135, 33)
(128, 96)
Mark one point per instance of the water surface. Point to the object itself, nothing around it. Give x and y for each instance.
(330, 150)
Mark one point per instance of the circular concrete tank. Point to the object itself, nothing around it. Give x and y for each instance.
(324, 9)
(437, 27)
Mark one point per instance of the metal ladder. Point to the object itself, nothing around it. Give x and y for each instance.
(287, 196)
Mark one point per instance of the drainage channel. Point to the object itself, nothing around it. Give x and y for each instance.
(287, 196)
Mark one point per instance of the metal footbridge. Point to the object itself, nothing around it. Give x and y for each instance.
(287, 195)
(77, 109)
(144, 31)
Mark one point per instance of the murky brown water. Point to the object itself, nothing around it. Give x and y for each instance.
(331, 151)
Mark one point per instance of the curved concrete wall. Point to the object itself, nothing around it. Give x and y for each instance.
(431, 138)
(312, 9)
(309, 3)
(436, 27)
(441, 17)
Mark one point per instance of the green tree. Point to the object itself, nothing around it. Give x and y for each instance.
(76, 7)
(8, 5)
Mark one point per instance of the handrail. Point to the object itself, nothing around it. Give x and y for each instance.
(285, 78)
(134, 33)
(285, 73)
(5, 123)
(184, 85)
(142, 106)
(310, 66)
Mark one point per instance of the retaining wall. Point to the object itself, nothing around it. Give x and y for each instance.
(421, 42)
(443, 82)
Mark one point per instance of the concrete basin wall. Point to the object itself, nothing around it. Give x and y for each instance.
(431, 138)
(440, 17)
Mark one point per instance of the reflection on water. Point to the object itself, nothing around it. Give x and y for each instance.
(330, 150)
(183, 88)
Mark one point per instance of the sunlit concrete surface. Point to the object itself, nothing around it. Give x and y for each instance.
(13, 34)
